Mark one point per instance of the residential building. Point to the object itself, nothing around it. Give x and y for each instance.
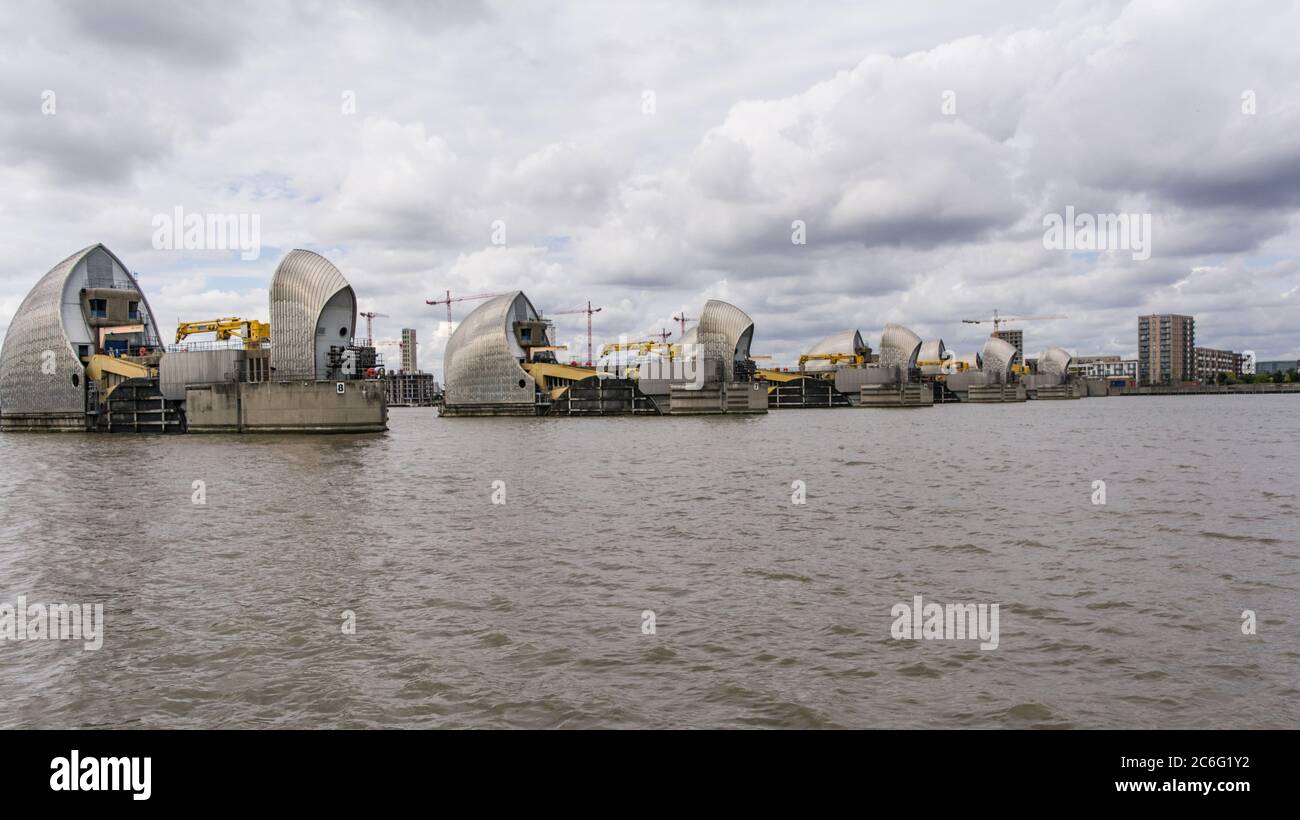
(411, 389)
(410, 352)
(1166, 349)
(1210, 363)
(1110, 368)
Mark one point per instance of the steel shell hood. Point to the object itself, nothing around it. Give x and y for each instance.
(899, 347)
(998, 356)
(1054, 361)
(481, 364)
(40, 371)
(846, 342)
(930, 357)
(725, 331)
(306, 291)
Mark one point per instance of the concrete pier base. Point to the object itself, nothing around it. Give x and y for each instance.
(994, 393)
(914, 394)
(733, 397)
(287, 407)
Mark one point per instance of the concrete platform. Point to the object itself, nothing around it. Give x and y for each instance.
(896, 395)
(736, 397)
(996, 393)
(359, 406)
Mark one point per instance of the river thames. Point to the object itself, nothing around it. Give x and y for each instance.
(507, 572)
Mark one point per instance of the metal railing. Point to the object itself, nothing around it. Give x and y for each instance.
(213, 344)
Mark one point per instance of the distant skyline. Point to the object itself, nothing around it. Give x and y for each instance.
(651, 156)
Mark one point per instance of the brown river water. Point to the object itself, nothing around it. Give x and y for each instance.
(767, 613)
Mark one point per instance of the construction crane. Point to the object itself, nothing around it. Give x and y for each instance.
(370, 314)
(663, 335)
(250, 330)
(999, 320)
(447, 300)
(587, 310)
(683, 318)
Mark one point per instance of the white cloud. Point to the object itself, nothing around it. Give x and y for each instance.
(468, 114)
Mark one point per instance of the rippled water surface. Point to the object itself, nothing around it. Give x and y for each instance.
(768, 613)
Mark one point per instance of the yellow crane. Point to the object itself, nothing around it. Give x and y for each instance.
(250, 330)
(833, 358)
(643, 347)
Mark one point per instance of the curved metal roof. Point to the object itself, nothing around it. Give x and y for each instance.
(973, 361)
(848, 342)
(998, 356)
(899, 347)
(845, 341)
(303, 284)
(1054, 361)
(38, 360)
(930, 357)
(725, 331)
(482, 362)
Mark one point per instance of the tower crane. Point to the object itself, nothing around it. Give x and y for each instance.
(663, 335)
(448, 299)
(997, 320)
(370, 314)
(683, 318)
(587, 310)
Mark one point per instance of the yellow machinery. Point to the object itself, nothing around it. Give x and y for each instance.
(110, 371)
(642, 347)
(953, 365)
(250, 330)
(556, 378)
(854, 359)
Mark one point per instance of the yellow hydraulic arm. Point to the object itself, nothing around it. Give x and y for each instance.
(110, 371)
(250, 330)
(833, 358)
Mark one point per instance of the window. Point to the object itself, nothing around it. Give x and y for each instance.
(98, 309)
(133, 311)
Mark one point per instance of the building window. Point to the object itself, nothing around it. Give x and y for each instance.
(98, 308)
(133, 311)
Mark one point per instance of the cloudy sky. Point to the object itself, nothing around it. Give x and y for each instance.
(650, 156)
